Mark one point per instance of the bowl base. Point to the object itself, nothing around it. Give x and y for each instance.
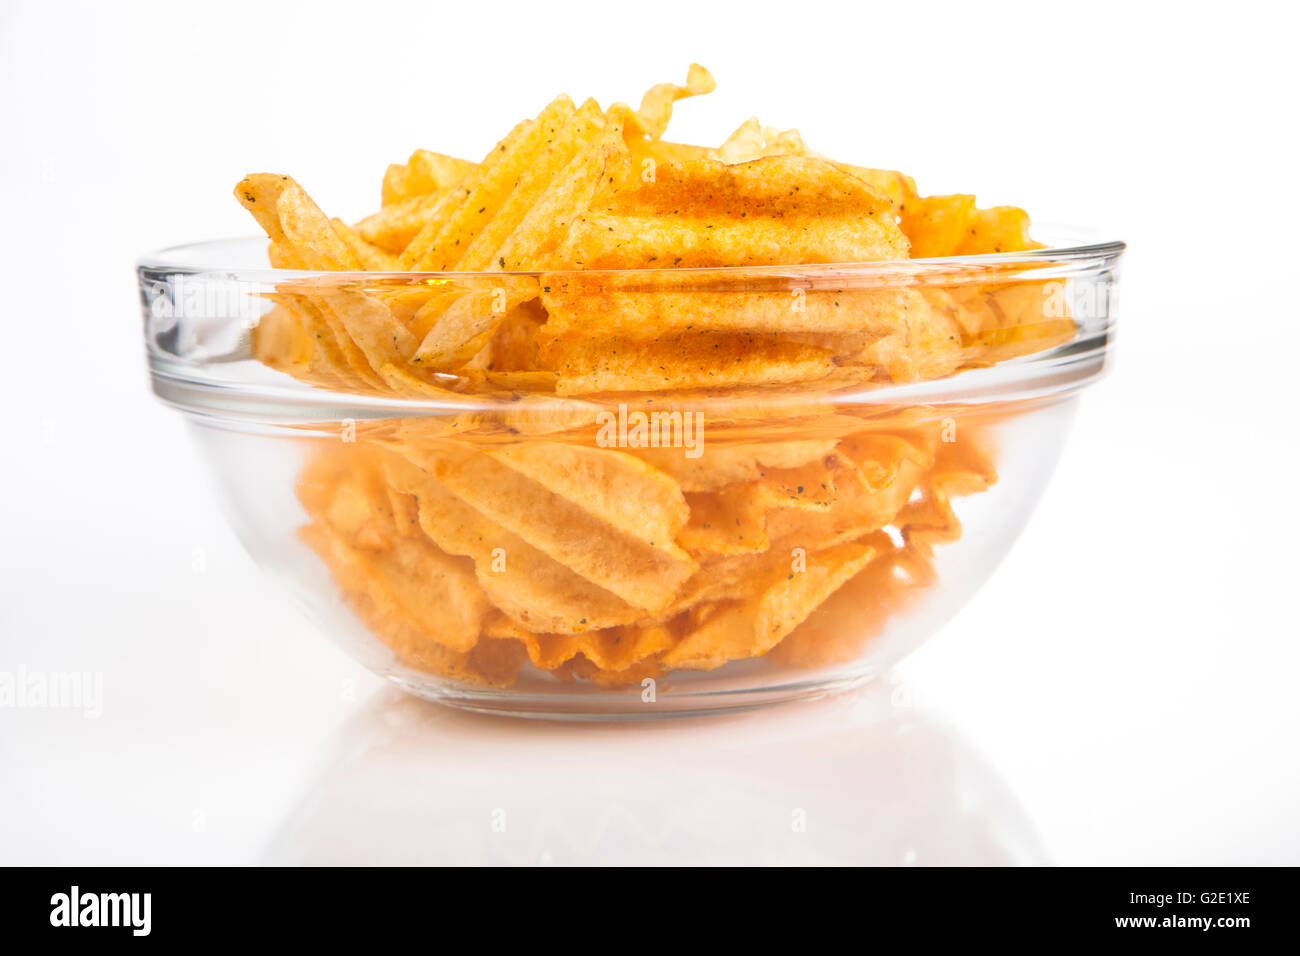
(631, 705)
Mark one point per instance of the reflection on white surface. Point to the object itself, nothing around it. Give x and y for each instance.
(858, 779)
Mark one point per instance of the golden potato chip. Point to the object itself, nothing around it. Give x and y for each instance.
(406, 577)
(703, 213)
(939, 226)
(854, 514)
(463, 323)
(645, 155)
(736, 630)
(752, 140)
(646, 305)
(615, 486)
(645, 574)
(371, 326)
(961, 468)
(614, 649)
(496, 662)
(570, 153)
(294, 222)
(513, 346)
(936, 225)
(732, 464)
(394, 226)
(536, 591)
(900, 188)
(281, 341)
(704, 360)
(535, 242)
(489, 188)
(999, 229)
(408, 643)
(417, 583)
(858, 611)
(371, 256)
(615, 680)
(926, 344)
(733, 520)
(562, 147)
(424, 174)
(453, 199)
(656, 107)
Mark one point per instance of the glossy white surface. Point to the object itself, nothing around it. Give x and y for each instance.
(1121, 692)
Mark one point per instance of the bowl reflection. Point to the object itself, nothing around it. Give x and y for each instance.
(864, 778)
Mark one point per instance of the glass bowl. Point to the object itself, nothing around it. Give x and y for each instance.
(636, 493)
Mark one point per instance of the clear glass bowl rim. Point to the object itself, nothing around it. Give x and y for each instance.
(1077, 249)
(1052, 372)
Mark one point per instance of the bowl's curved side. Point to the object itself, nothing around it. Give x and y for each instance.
(863, 625)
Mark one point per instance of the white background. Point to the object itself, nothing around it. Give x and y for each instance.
(1122, 692)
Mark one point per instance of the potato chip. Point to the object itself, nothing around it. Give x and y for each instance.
(424, 174)
(371, 256)
(562, 147)
(635, 675)
(394, 226)
(926, 344)
(768, 211)
(648, 306)
(410, 645)
(407, 578)
(733, 519)
(858, 611)
(732, 464)
(371, 326)
(657, 104)
(646, 574)
(462, 324)
(527, 585)
(615, 486)
(752, 140)
(999, 229)
(900, 188)
(736, 630)
(535, 242)
(513, 346)
(452, 200)
(281, 341)
(940, 226)
(614, 649)
(294, 222)
(705, 360)
(490, 187)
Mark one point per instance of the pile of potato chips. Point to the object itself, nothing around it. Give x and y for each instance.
(471, 557)
(587, 268)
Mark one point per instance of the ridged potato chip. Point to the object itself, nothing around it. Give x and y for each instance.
(425, 174)
(702, 213)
